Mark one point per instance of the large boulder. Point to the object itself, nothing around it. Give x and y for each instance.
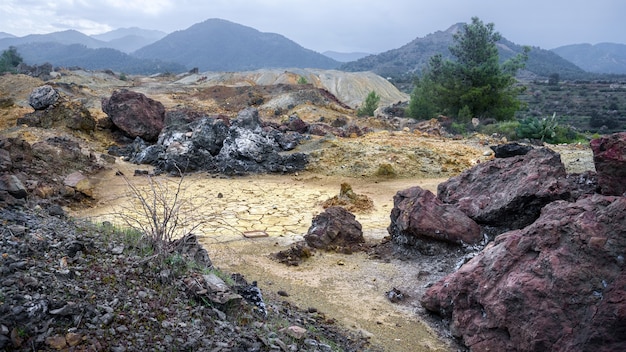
(335, 229)
(609, 156)
(508, 192)
(556, 285)
(135, 114)
(417, 215)
(42, 97)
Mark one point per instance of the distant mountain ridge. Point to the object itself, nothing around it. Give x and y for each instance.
(220, 45)
(412, 58)
(598, 58)
(129, 39)
(345, 57)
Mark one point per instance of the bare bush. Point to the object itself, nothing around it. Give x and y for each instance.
(162, 211)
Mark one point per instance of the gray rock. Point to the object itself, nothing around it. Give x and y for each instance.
(42, 97)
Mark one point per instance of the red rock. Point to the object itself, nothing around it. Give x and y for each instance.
(418, 214)
(335, 228)
(556, 285)
(508, 192)
(609, 157)
(135, 114)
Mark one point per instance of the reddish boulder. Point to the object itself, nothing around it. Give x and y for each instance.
(335, 229)
(135, 114)
(609, 156)
(556, 285)
(418, 214)
(508, 192)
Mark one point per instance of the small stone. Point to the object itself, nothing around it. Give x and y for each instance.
(73, 339)
(295, 331)
(57, 342)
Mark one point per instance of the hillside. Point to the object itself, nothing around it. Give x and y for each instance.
(77, 55)
(403, 63)
(599, 58)
(129, 39)
(64, 37)
(219, 45)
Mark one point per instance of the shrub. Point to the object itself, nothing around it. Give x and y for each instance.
(370, 105)
(302, 80)
(541, 129)
(161, 211)
(505, 129)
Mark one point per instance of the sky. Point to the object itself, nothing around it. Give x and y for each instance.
(370, 26)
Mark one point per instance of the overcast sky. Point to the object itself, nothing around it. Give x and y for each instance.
(341, 25)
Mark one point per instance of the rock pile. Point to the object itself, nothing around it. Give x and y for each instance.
(219, 145)
(553, 278)
(72, 286)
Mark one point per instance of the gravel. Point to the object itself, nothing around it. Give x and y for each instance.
(77, 286)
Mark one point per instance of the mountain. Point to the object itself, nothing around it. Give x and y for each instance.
(344, 57)
(64, 37)
(77, 55)
(6, 35)
(599, 58)
(403, 63)
(220, 45)
(129, 39)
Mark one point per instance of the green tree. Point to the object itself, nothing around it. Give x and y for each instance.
(9, 60)
(370, 105)
(475, 83)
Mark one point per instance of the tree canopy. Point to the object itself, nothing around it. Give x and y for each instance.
(473, 85)
(9, 60)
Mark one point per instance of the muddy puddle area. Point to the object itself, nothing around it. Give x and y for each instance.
(247, 219)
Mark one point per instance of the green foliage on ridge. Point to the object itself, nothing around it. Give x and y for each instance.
(475, 84)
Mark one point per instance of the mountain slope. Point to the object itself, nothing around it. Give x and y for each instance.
(345, 57)
(129, 39)
(599, 58)
(65, 37)
(76, 55)
(408, 60)
(219, 45)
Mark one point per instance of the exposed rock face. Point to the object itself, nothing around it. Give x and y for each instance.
(135, 114)
(508, 192)
(214, 144)
(335, 229)
(39, 170)
(42, 97)
(556, 285)
(72, 115)
(609, 156)
(417, 215)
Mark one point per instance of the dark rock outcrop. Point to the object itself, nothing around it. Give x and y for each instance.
(556, 285)
(135, 114)
(510, 149)
(418, 215)
(609, 156)
(216, 144)
(335, 229)
(42, 97)
(508, 192)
